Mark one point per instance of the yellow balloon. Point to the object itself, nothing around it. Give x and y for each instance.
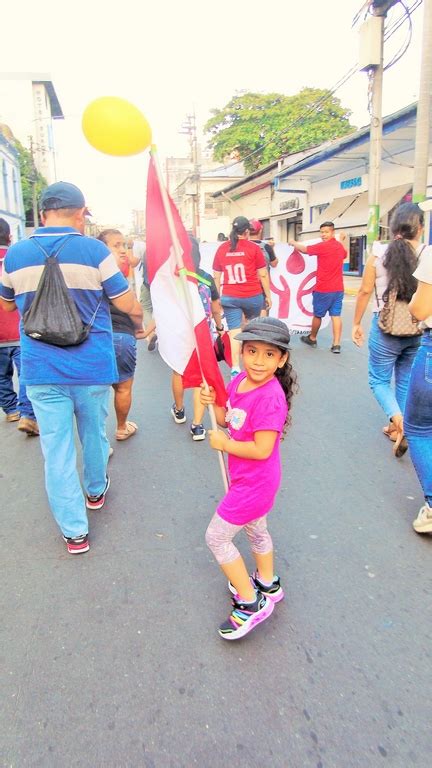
(115, 126)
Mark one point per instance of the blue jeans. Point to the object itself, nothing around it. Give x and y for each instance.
(418, 415)
(125, 352)
(55, 407)
(234, 308)
(388, 354)
(9, 401)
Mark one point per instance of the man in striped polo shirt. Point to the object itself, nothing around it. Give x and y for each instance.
(63, 382)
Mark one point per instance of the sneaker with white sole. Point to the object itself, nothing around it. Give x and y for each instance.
(244, 617)
(198, 432)
(178, 414)
(77, 545)
(97, 502)
(274, 592)
(423, 521)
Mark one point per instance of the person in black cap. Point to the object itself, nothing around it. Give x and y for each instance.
(70, 383)
(246, 285)
(257, 413)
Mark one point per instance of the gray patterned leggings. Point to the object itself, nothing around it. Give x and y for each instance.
(219, 536)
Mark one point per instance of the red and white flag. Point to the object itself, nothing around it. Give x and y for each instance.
(185, 342)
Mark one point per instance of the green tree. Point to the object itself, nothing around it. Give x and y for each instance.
(271, 125)
(30, 178)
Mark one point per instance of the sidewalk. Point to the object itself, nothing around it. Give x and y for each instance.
(352, 284)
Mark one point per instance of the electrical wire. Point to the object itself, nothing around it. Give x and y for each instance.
(330, 92)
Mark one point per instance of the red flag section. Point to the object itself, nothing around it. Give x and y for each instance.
(184, 337)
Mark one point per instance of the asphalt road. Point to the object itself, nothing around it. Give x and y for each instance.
(112, 658)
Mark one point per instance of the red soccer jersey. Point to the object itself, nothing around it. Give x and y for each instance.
(239, 268)
(330, 257)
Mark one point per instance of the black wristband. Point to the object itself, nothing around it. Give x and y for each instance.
(220, 328)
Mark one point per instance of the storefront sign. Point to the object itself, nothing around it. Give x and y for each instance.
(289, 205)
(349, 183)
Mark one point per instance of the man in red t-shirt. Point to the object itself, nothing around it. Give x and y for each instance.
(329, 289)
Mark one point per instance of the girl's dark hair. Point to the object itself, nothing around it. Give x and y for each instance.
(400, 258)
(287, 378)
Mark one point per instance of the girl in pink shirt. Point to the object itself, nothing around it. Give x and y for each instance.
(256, 415)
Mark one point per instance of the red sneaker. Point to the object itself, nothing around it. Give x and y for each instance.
(77, 545)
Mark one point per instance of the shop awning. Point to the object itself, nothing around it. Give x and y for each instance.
(332, 213)
(353, 210)
(357, 213)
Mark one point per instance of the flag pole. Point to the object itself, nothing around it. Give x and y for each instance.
(184, 281)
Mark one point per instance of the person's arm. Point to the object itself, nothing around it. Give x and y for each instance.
(363, 296)
(133, 260)
(273, 259)
(259, 448)
(217, 315)
(299, 246)
(8, 306)
(265, 282)
(217, 278)
(420, 305)
(208, 397)
(128, 303)
(142, 334)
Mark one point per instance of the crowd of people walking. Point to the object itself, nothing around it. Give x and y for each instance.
(60, 384)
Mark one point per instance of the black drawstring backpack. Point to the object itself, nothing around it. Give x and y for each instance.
(53, 316)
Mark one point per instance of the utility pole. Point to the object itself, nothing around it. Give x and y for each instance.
(371, 60)
(421, 158)
(375, 140)
(33, 181)
(189, 128)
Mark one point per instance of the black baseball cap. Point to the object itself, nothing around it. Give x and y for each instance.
(268, 329)
(241, 223)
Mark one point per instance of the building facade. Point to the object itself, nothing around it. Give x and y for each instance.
(11, 201)
(330, 182)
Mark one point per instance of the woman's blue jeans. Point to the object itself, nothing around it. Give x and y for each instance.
(55, 406)
(418, 415)
(388, 355)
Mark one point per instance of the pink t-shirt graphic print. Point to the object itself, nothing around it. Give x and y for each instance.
(254, 484)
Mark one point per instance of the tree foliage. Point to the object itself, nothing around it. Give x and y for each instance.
(30, 178)
(271, 125)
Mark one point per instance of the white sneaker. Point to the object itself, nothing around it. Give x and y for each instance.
(423, 521)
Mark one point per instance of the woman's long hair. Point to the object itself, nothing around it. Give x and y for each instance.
(400, 258)
(234, 234)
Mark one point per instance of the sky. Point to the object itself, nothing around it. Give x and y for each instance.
(170, 59)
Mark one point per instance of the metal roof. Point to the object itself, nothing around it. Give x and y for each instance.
(352, 151)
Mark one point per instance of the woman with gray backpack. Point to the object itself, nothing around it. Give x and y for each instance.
(394, 335)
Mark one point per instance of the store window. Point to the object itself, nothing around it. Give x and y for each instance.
(316, 212)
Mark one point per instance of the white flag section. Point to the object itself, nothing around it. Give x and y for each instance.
(291, 284)
(175, 331)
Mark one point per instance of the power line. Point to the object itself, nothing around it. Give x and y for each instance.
(390, 32)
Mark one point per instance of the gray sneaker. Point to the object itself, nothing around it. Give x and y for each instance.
(307, 340)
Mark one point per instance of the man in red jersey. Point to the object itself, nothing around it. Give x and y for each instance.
(329, 289)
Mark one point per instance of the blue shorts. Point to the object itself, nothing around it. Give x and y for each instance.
(125, 352)
(234, 309)
(327, 302)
